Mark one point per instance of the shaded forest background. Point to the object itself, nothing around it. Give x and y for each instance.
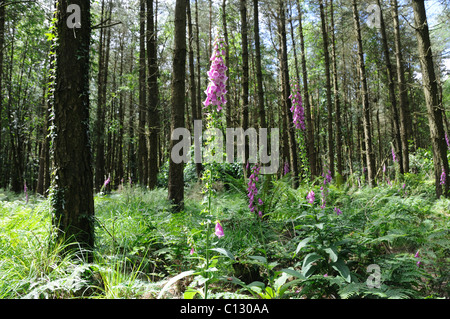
(130, 122)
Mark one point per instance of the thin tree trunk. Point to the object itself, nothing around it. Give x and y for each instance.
(370, 160)
(153, 97)
(245, 77)
(176, 178)
(434, 109)
(286, 91)
(403, 95)
(328, 89)
(2, 41)
(306, 100)
(259, 79)
(227, 63)
(337, 102)
(142, 141)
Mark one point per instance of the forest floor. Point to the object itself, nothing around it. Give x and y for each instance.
(390, 241)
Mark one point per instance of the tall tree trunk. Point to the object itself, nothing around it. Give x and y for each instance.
(391, 85)
(370, 160)
(153, 96)
(328, 89)
(197, 44)
(99, 127)
(245, 76)
(142, 140)
(337, 102)
(72, 195)
(259, 79)
(119, 145)
(227, 62)
(131, 163)
(286, 93)
(192, 80)
(176, 178)
(2, 42)
(403, 95)
(306, 100)
(430, 89)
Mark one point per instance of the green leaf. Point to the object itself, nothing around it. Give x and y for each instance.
(307, 268)
(302, 244)
(224, 252)
(343, 270)
(293, 272)
(332, 252)
(259, 258)
(190, 293)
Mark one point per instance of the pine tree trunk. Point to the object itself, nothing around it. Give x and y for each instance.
(370, 160)
(430, 89)
(245, 77)
(72, 196)
(328, 89)
(2, 40)
(153, 97)
(142, 141)
(390, 76)
(306, 100)
(176, 178)
(337, 102)
(227, 63)
(293, 162)
(403, 95)
(259, 79)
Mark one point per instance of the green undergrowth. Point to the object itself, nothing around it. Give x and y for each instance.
(298, 250)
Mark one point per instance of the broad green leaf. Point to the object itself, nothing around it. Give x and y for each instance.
(259, 258)
(293, 272)
(190, 293)
(307, 268)
(302, 244)
(332, 252)
(224, 252)
(342, 268)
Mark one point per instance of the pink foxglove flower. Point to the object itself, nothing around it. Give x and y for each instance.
(215, 93)
(310, 197)
(219, 230)
(192, 251)
(443, 176)
(394, 158)
(298, 113)
(338, 211)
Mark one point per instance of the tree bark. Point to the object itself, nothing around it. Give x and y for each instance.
(245, 77)
(72, 195)
(176, 178)
(403, 94)
(370, 159)
(153, 97)
(259, 78)
(391, 85)
(286, 91)
(306, 100)
(430, 89)
(337, 102)
(328, 89)
(142, 140)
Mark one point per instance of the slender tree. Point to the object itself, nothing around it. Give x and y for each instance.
(434, 109)
(402, 90)
(259, 78)
(153, 96)
(306, 99)
(176, 178)
(370, 159)
(72, 194)
(245, 75)
(328, 88)
(142, 141)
